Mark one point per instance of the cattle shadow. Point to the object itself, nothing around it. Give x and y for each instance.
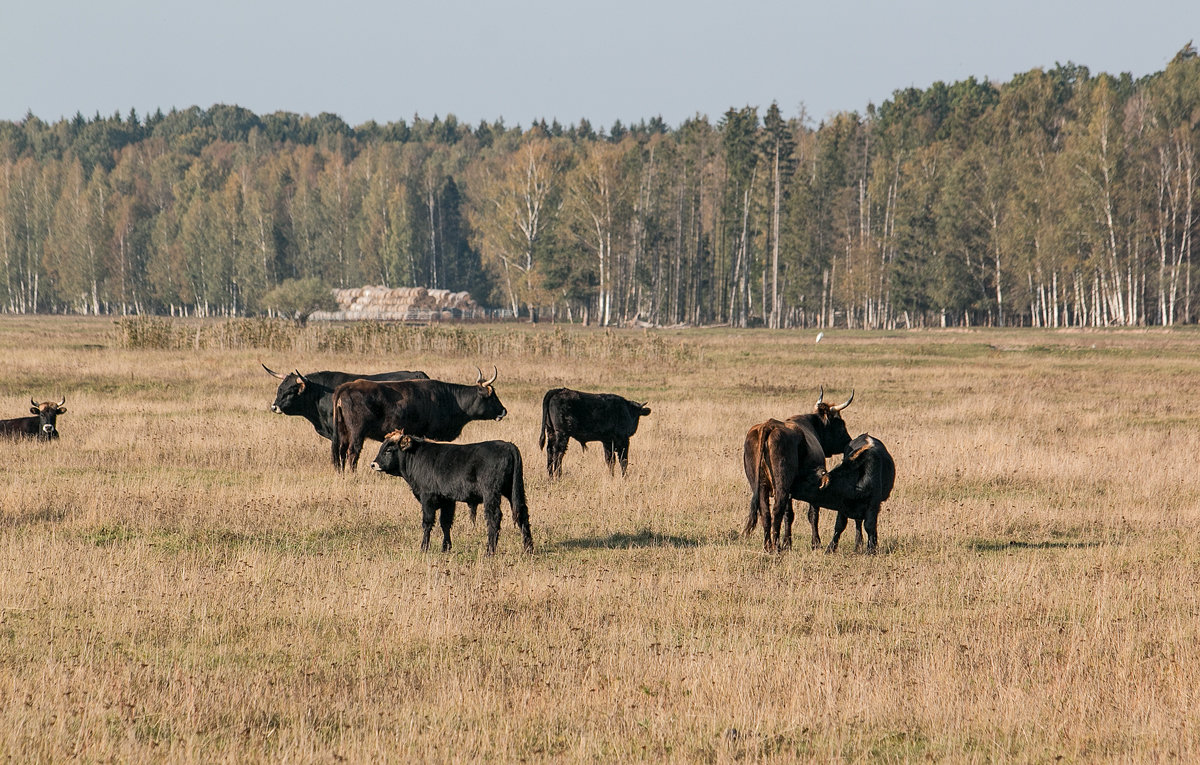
(33, 517)
(622, 541)
(1001, 545)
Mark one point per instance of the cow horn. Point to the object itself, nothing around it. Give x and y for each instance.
(479, 379)
(299, 376)
(840, 407)
(60, 403)
(273, 373)
(821, 396)
(34, 402)
(495, 374)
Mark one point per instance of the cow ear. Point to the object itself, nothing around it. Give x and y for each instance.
(645, 410)
(858, 453)
(34, 410)
(487, 391)
(406, 443)
(62, 410)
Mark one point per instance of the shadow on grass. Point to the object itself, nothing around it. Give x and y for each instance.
(322, 540)
(999, 545)
(621, 541)
(33, 517)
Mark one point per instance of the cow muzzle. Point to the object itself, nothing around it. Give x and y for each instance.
(500, 416)
(375, 466)
(276, 409)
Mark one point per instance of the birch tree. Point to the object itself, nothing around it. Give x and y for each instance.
(515, 200)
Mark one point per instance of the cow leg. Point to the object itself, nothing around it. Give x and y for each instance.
(551, 446)
(870, 524)
(610, 459)
(355, 449)
(491, 512)
(429, 507)
(838, 527)
(622, 450)
(782, 506)
(785, 538)
(858, 535)
(447, 520)
(522, 520)
(337, 450)
(814, 515)
(763, 510)
(556, 447)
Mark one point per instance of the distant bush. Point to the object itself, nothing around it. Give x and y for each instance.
(368, 337)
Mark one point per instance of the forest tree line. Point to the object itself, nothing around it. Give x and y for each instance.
(1059, 198)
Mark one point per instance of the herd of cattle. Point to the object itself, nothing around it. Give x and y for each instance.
(414, 417)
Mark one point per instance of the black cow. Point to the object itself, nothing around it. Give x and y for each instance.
(311, 396)
(779, 453)
(43, 425)
(604, 417)
(441, 475)
(855, 489)
(364, 409)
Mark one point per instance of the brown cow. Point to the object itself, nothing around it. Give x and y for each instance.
(779, 454)
(434, 409)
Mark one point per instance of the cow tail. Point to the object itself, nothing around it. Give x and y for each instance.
(546, 417)
(335, 440)
(762, 483)
(520, 509)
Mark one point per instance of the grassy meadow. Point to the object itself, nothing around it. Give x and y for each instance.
(183, 577)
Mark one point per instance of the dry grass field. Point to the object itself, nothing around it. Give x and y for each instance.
(183, 577)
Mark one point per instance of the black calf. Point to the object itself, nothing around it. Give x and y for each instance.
(855, 489)
(442, 474)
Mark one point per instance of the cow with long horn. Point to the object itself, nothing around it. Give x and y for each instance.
(311, 396)
(433, 409)
(779, 453)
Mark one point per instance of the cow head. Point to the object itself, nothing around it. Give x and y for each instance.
(832, 432)
(47, 413)
(389, 457)
(636, 411)
(291, 391)
(485, 405)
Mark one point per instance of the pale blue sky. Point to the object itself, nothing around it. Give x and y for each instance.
(523, 60)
